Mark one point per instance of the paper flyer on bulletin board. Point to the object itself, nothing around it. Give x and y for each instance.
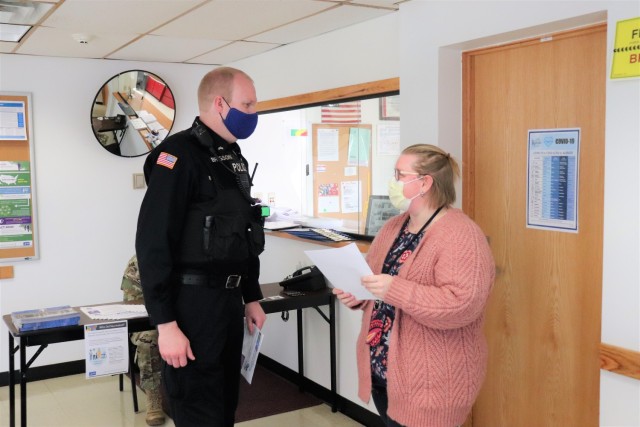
(626, 49)
(552, 179)
(16, 218)
(13, 124)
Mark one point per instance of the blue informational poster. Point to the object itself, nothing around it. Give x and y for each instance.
(12, 120)
(552, 179)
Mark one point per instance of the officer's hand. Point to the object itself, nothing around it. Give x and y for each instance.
(174, 345)
(255, 315)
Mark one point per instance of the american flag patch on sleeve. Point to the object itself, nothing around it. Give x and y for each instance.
(167, 160)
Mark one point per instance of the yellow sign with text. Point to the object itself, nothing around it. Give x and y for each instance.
(626, 49)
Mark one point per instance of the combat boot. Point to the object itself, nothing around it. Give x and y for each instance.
(155, 416)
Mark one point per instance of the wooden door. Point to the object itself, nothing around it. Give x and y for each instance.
(544, 314)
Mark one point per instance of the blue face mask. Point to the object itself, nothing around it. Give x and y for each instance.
(241, 125)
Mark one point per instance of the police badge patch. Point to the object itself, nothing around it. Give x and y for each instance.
(167, 160)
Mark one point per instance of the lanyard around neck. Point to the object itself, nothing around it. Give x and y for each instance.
(426, 224)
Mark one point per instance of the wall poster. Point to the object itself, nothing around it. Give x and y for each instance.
(626, 49)
(552, 179)
(17, 179)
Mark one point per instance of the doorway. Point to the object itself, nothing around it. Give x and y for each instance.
(544, 315)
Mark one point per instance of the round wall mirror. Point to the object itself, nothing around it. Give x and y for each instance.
(132, 113)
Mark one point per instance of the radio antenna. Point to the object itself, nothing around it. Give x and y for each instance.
(253, 173)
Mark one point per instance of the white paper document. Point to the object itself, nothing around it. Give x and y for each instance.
(106, 349)
(146, 116)
(138, 124)
(115, 311)
(155, 126)
(343, 267)
(250, 350)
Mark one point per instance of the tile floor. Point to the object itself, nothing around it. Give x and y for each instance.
(74, 401)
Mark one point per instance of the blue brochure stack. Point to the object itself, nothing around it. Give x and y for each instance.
(42, 318)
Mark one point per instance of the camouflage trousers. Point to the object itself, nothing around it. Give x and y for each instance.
(148, 359)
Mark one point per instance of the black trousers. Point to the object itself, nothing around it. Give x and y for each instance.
(205, 392)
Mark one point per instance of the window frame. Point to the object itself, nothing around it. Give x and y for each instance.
(373, 89)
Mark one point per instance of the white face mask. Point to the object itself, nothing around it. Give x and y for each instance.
(396, 194)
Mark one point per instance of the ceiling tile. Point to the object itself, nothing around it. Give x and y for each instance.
(340, 17)
(56, 42)
(166, 49)
(239, 19)
(7, 47)
(193, 31)
(116, 16)
(232, 52)
(391, 4)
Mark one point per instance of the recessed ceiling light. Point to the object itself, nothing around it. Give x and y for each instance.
(22, 12)
(17, 17)
(12, 33)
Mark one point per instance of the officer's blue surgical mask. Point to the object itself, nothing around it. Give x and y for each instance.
(396, 194)
(241, 125)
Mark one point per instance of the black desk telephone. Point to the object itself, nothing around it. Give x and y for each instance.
(304, 279)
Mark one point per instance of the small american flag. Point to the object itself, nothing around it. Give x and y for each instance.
(346, 112)
(167, 160)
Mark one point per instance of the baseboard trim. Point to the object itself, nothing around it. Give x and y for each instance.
(350, 409)
(46, 372)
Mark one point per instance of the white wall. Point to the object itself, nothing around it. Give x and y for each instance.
(88, 209)
(439, 30)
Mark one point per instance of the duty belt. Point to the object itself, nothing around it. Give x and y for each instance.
(231, 281)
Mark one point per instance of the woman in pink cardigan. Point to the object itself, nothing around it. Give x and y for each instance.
(421, 353)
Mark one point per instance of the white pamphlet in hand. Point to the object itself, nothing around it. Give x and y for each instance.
(343, 267)
(250, 350)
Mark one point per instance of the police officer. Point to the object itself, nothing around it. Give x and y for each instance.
(198, 240)
(147, 354)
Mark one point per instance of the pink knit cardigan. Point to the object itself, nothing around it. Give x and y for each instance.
(437, 352)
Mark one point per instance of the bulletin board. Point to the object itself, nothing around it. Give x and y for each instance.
(18, 239)
(341, 171)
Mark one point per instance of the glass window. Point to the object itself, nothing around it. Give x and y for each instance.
(323, 165)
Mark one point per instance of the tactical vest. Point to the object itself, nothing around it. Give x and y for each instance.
(226, 229)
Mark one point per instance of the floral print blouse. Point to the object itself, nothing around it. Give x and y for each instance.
(383, 314)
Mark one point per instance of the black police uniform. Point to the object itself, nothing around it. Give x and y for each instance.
(197, 244)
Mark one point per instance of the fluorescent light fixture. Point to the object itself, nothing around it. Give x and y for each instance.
(22, 12)
(17, 17)
(12, 33)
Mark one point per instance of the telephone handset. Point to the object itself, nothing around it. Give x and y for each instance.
(304, 279)
(302, 271)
